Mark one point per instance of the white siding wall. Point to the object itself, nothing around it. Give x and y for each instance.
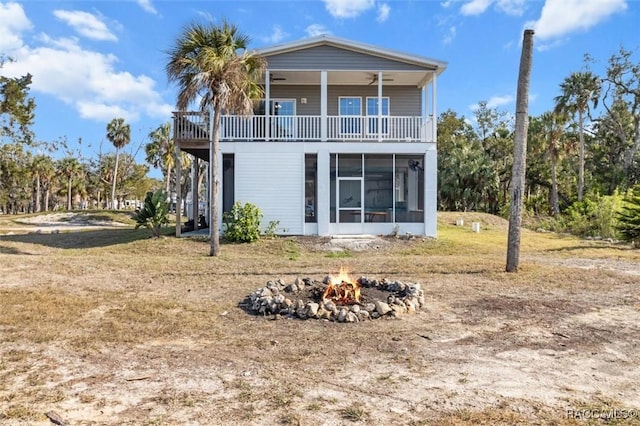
(273, 181)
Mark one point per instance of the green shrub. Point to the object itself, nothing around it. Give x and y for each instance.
(595, 216)
(242, 223)
(154, 212)
(629, 218)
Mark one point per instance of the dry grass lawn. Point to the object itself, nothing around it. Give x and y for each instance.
(112, 327)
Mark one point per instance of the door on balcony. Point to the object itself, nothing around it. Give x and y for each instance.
(283, 122)
(373, 108)
(350, 111)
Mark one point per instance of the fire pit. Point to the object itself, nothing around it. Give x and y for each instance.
(337, 298)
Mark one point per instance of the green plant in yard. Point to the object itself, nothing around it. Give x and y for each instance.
(154, 212)
(629, 219)
(242, 223)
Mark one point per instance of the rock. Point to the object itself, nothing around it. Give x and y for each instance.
(312, 309)
(355, 308)
(363, 315)
(298, 282)
(287, 302)
(342, 315)
(371, 307)
(351, 317)
(382, 308)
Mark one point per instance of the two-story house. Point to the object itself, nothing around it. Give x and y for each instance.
(344, 141)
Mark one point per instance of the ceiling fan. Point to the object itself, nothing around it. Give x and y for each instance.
(374, 78)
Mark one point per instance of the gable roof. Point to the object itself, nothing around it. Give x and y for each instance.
(367, 49)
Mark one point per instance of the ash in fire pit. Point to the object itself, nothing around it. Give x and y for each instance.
(337, 298)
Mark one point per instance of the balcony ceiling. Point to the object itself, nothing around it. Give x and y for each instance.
(364, 78)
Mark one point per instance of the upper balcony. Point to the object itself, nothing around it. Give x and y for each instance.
(193, 128)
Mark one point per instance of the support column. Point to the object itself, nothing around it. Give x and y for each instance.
(323, 202)
(177, 188)
(434, 118)
(323, 105)
(379, 107)
(195, 202)
(267, 104)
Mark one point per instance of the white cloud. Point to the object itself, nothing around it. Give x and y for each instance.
(445, 4)
(14, 23)
(561, 17)
(86, 24)
(347, 8)
(383, 12)
(478, 7)
(277, 35)
(475, 7)
(87, 80)
(451, 34)
(316, 30)
(147, 6)
(495, 102)
(511, 7)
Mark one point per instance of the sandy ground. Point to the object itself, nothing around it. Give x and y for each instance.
(537, 354)
(59, 222)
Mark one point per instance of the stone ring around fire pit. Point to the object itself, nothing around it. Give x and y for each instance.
(337, 299)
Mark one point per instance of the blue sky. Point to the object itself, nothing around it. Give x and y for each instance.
(93, 61)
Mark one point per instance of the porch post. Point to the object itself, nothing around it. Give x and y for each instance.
(195, 202)
(267, 104)
(434, 118)
(379, 107)
(323, 106)
(177, 188)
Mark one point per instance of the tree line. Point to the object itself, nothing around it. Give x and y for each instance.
(583, 149)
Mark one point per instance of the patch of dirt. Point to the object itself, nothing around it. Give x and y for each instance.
(63, 222)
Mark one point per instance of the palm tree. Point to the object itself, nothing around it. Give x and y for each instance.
(70, 168)
(42, 170)
(211, 63)
(519, 153)
(119, 134)
(579, 90)
(160, 152)
(553, 125)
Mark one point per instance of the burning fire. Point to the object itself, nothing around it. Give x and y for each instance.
(342, 290)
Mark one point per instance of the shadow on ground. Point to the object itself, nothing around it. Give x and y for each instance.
(79, 239)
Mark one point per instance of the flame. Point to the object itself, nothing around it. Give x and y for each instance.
(342, 289)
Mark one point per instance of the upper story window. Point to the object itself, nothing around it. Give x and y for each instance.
(372, 109)
(350, 106)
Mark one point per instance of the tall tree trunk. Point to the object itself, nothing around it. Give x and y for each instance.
(213, 185)
(69, 201)
(38, 195)
(519, 153)
(168, 181)
(46, 198)
(555, 208)
(115, 179)
(581, 165)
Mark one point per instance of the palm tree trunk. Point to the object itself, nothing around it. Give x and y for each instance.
(46, 199)
(555, 208)
(168, 181)
(519, 153)
(38, 197)
(113, 184)
(581, 165)
(213, 185)
(69, 201)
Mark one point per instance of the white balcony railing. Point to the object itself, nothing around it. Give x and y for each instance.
(195, 127)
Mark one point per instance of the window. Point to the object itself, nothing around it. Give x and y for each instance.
(409, 188)
(376, 188)
(310, 188)
(228, 181)
(372, 113)
(350, 110)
